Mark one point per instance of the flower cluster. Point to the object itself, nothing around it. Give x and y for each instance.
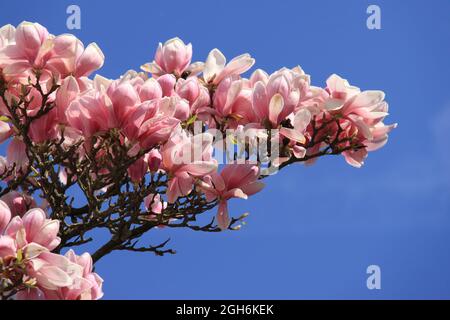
(31, 270)
(145, 122)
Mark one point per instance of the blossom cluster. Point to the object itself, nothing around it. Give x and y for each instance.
(46, 90)
(26, 241)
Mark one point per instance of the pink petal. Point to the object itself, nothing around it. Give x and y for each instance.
(275, 107)
(92, 59)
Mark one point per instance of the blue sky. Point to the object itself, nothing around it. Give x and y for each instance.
(314, 230)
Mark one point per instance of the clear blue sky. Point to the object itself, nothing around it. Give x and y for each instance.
(314, 230)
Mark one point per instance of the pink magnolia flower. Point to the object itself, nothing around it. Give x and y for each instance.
(216, 69)
(234, 181)
(184, 159)
(21, 234)
(174, 56)
(27, 241)
(188, 89)
(90, 113)
(155, 206)
(72, 59)
(361, 115)
(95, 291)
(150, 123)
(339, 91)
(233, 102)
(30, 49)
(154, 203)
(194, 92)
(18, 203)
(59, 277)
(52, 271)
(275, 100)
(48, 270)
(34, 227)
(124, 99)
(84, 284)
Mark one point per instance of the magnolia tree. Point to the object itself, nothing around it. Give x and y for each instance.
(156, 148)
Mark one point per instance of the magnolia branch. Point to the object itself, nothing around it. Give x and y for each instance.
(142, 152)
